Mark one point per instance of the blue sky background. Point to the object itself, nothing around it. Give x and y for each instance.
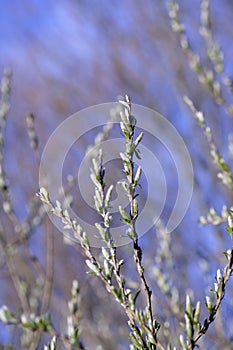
(69, 55)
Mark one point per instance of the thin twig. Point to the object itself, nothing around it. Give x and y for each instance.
(221, 295)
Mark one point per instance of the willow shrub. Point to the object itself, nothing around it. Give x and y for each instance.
(145, 330)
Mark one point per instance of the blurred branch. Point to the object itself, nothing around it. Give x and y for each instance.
(206, 75)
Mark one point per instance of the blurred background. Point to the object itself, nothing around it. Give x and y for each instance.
(69, 55)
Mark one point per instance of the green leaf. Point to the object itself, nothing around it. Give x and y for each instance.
(93, 267)
(137, 153)
(136, 295)
(108, 195)
(138, 139)
(124, 215)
